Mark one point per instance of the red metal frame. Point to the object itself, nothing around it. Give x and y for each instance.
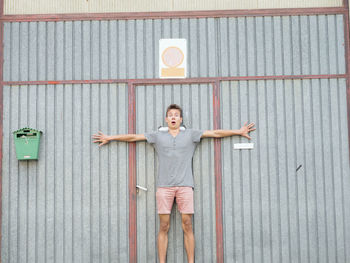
(1, 113)
(218, 176)
(172, 81)
(347, 56)
(132, 178)
(175, 14)
(217, 161)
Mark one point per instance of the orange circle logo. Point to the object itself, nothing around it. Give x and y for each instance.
(172, 57)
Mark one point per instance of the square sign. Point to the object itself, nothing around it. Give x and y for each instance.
(172, 58)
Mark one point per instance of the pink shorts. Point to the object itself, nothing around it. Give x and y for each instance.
(184, 199)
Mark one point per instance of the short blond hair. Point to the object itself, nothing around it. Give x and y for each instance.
(173, 107)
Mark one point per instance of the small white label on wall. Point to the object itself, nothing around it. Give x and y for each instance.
(240, 146)
(172, 58)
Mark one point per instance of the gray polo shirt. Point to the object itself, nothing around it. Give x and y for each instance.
(175, 156)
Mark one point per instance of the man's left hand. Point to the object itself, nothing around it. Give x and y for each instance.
(247, 129)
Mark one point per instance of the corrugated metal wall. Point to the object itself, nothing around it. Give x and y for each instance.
(72, 204)
(151, 103)
(288, 199)
(244, 46)
(69, 6)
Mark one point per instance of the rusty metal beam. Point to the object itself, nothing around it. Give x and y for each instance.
(347, 60)
(132, 177)
(172, 81)
(1, 113)
(218, 176)
(175, 14)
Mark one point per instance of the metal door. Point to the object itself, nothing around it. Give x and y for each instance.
(197, 103)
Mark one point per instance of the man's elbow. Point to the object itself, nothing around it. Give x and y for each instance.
(132, 139)
(221, 133)
(216, 134)
(126, 138)
(136, 138)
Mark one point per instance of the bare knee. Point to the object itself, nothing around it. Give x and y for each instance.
(164, 226)
(187, 225)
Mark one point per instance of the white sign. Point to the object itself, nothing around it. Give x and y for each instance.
(238, 146)
(172, 58)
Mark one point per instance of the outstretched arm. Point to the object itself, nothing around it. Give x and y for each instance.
(103, 138)
(244, 131)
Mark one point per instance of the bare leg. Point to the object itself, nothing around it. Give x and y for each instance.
(163, 237)
(188, 236)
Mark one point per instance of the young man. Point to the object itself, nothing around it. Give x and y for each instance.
(175, 148)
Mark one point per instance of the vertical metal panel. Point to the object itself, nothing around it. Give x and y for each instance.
(287, 45)
(151, 103)
(72, 204)
(286, 200)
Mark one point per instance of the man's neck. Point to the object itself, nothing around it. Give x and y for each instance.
(174, 132)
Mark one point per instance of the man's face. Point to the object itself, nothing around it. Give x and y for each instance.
(173, 119)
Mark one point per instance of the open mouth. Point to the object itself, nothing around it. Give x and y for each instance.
(173, 122)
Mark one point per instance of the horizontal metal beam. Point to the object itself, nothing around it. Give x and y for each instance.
(170, 81)
(174, 14)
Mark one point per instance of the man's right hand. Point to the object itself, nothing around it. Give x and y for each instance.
(100, 137)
